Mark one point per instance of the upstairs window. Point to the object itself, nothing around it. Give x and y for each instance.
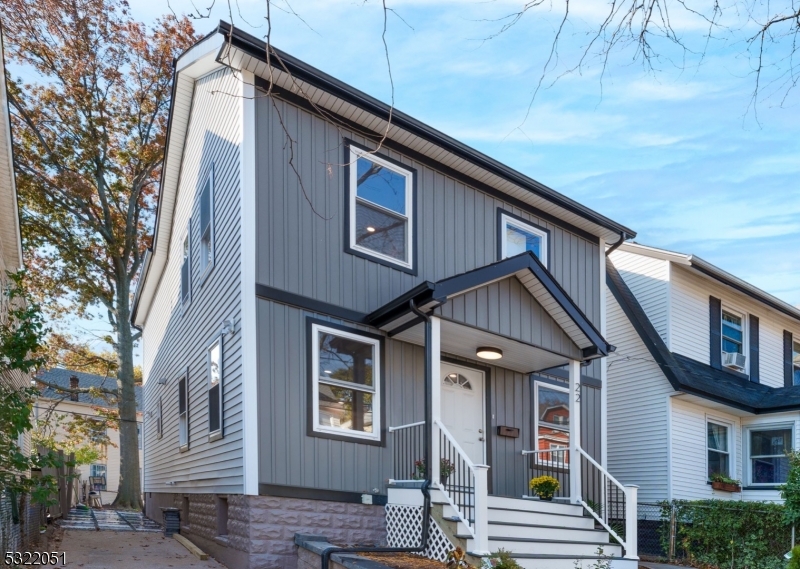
(183, 413)
(719, 457)
(160, 419)
(796, 362)
(207, 224)
(381, 209)
(517, 236)
(732, 333)
(345, 383)
(186, 267)
(214, 362)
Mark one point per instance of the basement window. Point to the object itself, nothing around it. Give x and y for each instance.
(345, 383)
(381, 208)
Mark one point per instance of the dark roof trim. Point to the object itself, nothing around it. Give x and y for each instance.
(428, 293)
(301, 70)
(697, 378)
(311, 304)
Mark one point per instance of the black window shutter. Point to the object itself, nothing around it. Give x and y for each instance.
(787, 359)
(754, 350)
(715, 324)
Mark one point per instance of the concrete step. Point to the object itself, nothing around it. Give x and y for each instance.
(546, 546)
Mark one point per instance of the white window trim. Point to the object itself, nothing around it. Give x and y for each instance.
(536, 386)
(731, 443)
(355, 154)
(506, 220)
(217, 434)
(748, 467)
(745, 333)
(375, 435)
(207, 269)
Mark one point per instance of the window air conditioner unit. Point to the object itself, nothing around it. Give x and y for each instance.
(734, 360)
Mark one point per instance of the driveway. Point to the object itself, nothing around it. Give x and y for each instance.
(106, 549)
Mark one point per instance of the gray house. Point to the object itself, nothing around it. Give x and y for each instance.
(337, 291)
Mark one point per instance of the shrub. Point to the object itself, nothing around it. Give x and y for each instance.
(790, 491)
(794, 562)
(500, 559)
(729, 534)
(544, 486)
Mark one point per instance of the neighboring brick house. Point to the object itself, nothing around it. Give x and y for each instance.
(55, 402)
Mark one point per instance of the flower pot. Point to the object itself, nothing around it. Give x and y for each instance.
(726, 487)
(546, 499)
(443, 478)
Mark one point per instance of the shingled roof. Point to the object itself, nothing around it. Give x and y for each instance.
(60, 376)
(697, 378)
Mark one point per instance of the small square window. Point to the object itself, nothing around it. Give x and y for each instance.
(719, 457)
(381, 208)
(517, 236)
(345, 383)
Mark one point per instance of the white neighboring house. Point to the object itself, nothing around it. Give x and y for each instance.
(65, 403)
(705, 379)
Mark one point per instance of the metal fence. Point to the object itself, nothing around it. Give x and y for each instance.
(662, 530)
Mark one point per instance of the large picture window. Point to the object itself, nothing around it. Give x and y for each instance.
(768, 446)
(346, 383)
(215, 402)
(381, 208)
(719, 455)
(518, 236)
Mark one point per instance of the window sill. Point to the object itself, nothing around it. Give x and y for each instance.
(222, 540)
(184, 448)
(770, 488)
(215, 436)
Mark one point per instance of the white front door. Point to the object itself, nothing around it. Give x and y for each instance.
(463, 408)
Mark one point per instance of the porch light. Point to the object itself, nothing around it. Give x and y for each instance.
(488, 353)
(370, 229)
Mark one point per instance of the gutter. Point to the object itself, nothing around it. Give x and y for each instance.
(622, 238)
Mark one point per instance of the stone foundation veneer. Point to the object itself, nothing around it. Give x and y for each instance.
(261, 529)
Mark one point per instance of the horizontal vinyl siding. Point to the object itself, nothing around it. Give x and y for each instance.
(690, 322)
(637, 410)
(301, 244)
(176, 337)
(648, 280)
(690, 452)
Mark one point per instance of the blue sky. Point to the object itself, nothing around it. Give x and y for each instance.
(677, 155)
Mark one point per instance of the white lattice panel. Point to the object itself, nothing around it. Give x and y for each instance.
(403, 527)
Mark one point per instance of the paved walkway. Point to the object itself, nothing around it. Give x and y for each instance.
(112, 520)
(107, 549)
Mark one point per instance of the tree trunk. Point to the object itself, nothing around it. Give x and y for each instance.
(129, 493)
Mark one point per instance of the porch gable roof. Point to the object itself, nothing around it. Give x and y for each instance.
(399, 315)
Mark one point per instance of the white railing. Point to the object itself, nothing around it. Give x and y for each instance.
(465, 487)
(408, 447)
(613, 504)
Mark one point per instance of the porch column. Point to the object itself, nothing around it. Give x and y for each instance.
(433, 350)
(575, 460)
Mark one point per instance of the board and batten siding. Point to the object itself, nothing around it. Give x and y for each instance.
(637, 410)
(507, 308)
(648, 280)
(300, 233)
(175, 337)
(690, 294)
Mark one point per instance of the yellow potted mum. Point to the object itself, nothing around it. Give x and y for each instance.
(545, 487)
